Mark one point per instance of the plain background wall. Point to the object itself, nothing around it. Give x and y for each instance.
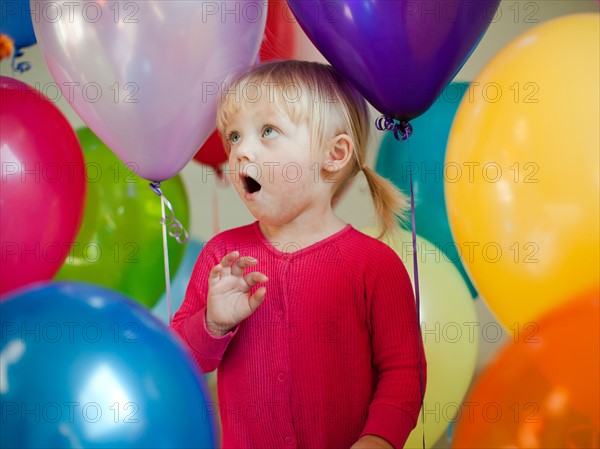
(513, 18)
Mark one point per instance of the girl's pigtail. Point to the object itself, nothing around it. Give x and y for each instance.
(391, 205)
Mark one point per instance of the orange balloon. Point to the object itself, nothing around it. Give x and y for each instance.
(542, 390)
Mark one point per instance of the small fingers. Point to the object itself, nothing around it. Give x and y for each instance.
(236, 265)
(254, 278)
(240, 265)
(229, 258)
(256, 299)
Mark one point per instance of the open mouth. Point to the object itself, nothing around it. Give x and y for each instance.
(250, 184)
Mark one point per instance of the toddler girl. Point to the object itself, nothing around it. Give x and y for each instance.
(311, 323)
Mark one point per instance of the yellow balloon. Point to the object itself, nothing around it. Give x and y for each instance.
(450, 333)
(522, 177)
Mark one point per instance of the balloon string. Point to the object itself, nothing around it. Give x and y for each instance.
(166, 259)
(176, 230)
(417, 290)
(404, 129)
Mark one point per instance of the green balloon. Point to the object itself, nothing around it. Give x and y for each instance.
(119, 245)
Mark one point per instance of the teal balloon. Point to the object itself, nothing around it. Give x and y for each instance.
(424, 154)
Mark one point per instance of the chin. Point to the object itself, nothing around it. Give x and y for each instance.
(271, 219)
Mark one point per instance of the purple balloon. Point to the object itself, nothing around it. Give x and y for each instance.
(399, 54)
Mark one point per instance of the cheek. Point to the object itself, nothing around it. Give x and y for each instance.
(293, 175)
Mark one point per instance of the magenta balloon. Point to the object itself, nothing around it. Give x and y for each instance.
(400, 54)
(145, 76)
(43, 186)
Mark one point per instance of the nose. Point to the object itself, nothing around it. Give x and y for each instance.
(243, 150)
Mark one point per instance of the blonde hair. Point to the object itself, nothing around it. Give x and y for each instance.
(316, 94)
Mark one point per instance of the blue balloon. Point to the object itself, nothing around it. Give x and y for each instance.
(424, 153)
(83, 366)
(180, 282)
(15, 22)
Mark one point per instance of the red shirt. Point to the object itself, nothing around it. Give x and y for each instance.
(330, 355)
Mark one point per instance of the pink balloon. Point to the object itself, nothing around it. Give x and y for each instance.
(146, 76)
(43, 186)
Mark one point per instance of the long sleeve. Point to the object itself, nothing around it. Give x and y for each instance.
(190, 320)
(398, 355)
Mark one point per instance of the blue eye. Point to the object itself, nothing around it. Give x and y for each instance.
(269, 131)
(233, 137)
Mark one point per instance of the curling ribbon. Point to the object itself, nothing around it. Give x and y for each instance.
(175, 230)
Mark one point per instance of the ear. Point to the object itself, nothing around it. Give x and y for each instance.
(339, 153)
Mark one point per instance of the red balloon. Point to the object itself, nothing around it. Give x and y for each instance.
(212, 153)
(279, 39)
(43, 186)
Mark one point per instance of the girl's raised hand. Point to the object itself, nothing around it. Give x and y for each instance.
(228, 301)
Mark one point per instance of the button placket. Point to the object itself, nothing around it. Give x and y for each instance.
(281, 372)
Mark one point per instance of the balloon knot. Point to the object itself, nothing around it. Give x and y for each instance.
(155, 187)
(398, 127)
